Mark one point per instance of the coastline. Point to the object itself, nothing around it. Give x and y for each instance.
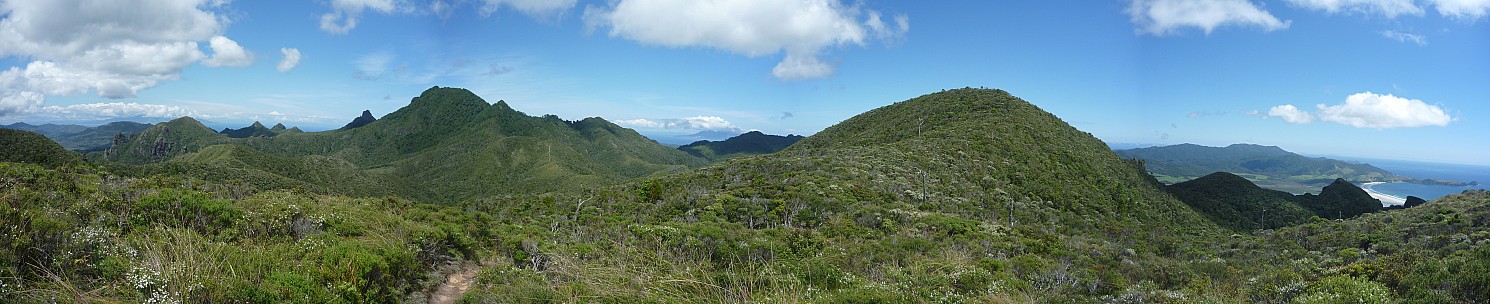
(1386, 199)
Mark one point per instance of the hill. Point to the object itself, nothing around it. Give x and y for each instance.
(30, 147)
(447, 145)
(1340, 199)
(990, 193)
(1237, 203)
(255, 130)
(750, 143)
(363, 120)
(1234, 202)
(1268, 166)
(161, 142)
(100, 137)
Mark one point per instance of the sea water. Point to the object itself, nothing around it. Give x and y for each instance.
(1420, 170)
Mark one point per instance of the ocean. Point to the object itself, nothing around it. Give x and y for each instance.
(1456, 172)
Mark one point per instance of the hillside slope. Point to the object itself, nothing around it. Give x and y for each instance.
(988, 201)
(30, 147)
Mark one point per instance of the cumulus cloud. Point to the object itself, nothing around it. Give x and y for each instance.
(1291, 114)
(227, 53)
(111, 110)
(712, 123)
(19, 102)
(1405, 37)
(534, 8)
(1163, 17)
(1462, 9)
(802, 29)
(292, 59)
(114, 48)
(1388, 8)
(1371, 110)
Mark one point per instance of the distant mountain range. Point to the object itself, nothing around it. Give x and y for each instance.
(1268, 166)
(82, 138)
(750, 143)
(446, 145)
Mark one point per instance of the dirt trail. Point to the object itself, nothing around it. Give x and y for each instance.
(456, 284)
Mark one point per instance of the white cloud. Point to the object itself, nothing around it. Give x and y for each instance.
(1371, 110)
(1163, 17)
(101, 111)
(713, 123)
(292, 59)
(114, 48)
(19, 102)
(1405, 37)
(1462, 9)
(534, 8)
(641, 123)
(802, 29)
(1291, 114)
(344, 13)
(227, 53)
(1388, 8)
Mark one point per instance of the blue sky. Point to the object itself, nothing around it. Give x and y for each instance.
(1397, 79)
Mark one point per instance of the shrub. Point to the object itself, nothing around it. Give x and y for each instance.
(1346, 289)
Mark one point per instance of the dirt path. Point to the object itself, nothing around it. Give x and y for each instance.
(456, 284)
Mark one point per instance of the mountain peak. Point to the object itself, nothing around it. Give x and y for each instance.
(278, 127)
(363, 120)
(257, 125)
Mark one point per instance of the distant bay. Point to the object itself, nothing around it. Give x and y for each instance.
(1415, 169)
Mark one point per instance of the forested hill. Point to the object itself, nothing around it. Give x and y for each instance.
(20, 146)
(989, 178)
(446, 145)
(750, 143)
(1268, 166)
(1237, 203)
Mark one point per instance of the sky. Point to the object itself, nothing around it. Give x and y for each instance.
(1393, 79)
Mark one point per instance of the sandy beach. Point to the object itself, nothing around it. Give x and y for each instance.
(1385, 198)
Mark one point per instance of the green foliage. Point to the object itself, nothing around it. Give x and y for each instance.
(29, 147)
(184, 209)
(92, 237)
(1345, 289)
